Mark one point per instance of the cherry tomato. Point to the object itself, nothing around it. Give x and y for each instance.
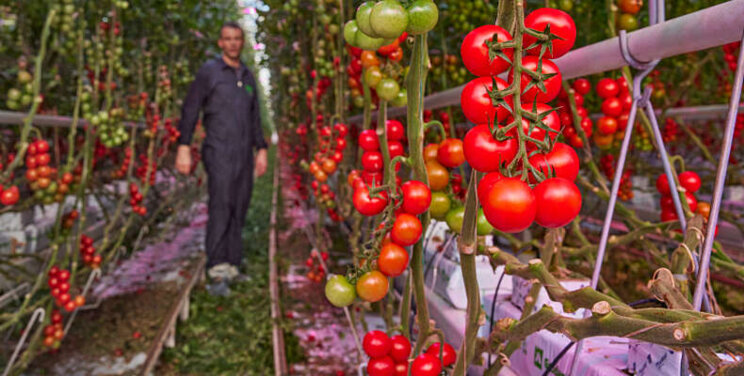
(367, 205)
(454, 219)
(448, 353)
(426, 365)
(393, 260)
(562, 161)
(690, 181)
(486, 183)
(10, 196)
(383, 366)
(372, 286)
(558, 202)
(376, 344)
(341, 130)
(668, 215)
(607, 88)
(372, 75)
(475, 55)
(483, 228)
(662, 185)
(372, 178)
(476, 103)
(400, 348)
(550, 120)
(386, 50)
(430, 152)
(450, 153)
(612, 107)
(395, 130)
(416, 197)
(510, 205)
(607, 125)
(561, 24)
(329, 166)
(484, 153)
(691, 201)
(388, 19)
(422, 17)
(552, 84)
(406, 230)
(401, 369)
(582, 86)
(368, 140)
(440, 205)
(703, 208)
(438, 175)
(630, 6)
(372, 161)
(339, 291)
(369, 59)
(387, 89)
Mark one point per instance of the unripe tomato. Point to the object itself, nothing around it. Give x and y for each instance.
(483, 228)
(387, 89)
(455, 218)
(440, 205)
(388, 19)
(430, 152)
(422, 17)
(372, 286)
(339, 291)
(438, 175)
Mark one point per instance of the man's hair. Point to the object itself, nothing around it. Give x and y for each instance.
(232, 25)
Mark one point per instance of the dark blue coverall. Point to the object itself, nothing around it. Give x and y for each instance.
(232, 121)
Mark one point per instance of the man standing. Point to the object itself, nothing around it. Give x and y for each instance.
(226, 91)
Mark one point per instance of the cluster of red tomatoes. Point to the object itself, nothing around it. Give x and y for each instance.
(68, 219)
(90, 258)
(142, 169)
(690, 182)
(54, 332)
(41, 177)
(729, 54)
(9, 196)
(330, 154)
(316, 272)
(671, 130)
(135, 199)
(389, 356)
(320, 88)
(616, 103)
(607, 164)
(122, 171)
(509, 203)
(581, 88)
(173, 132)
(739, 125)
(58, 281)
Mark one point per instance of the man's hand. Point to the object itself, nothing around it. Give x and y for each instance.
(183, 159)
(261, 163)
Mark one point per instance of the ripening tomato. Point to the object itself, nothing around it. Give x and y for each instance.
(510, 205)
(372, 161)
(368, 140)
(416, 197)
(383, 366)
(376, 344)
(630, 6)
(448, 353)
(475, 52)
(607, 88)
(426, 365)
(367, 205)
(607, 125)
(552, 84)
(440, 205)
(562, 161)
(438, 175)
(372, 286)
(484, 153)
(372, 75)
(558, 202)
(339, 291)
(329, 166)
(400, 348)
(582, 86)
(430, 152)
(486, 183)
(393, 260)
(450, 153)
(395, 130)
(369, 59)
(690, 181)
(703, 208)
(476, 103)
(561, 24)
(603, 141)
(406, 230)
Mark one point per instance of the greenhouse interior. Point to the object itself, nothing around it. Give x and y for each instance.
(405, 187)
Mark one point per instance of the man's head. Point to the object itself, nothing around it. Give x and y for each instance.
(231, 39)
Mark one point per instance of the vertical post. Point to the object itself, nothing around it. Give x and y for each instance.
(723, 162)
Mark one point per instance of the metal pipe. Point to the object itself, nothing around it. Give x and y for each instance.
(723, 162)
(704, 29)
(17, 118)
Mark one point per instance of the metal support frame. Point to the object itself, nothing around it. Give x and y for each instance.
(38, 315)
(96, 273)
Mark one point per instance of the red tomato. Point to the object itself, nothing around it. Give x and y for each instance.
(367, 205)
(368, 140)
(612, 107)
(561, 24)
(393, 260)
(552, 84)
(551, 121)
(400, 348)
(426, 365)
(562, 161)
(450, 153)
(381, 366)
(558, 202)
(395, 148)
(416, 197)
(667, 203)
(476, 103)
(509, 205)
(42, 146)
(627, 100)
(448, 353)
(691, 201)
(474, 51)
(372, 286)
(484, 153)
(401, 369)
(486, 183)
(395, 130)
(340, 143)
(406, 230)
(582, 86)
(668, 215)
(690, 181)
(372, 178)
(10, 196)
(386, 50)
(341, 130)
(662, 185)
(376, 344)
(607, 125)
(372, 161)
(607, 88)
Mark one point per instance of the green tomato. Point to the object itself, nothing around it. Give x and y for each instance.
(339, 291)
(350, 32)
(401, 99)
(387, 89)
(368, 43)
(422, 16)
(363, 18)
(455, 218)
(333, 29)
(358, 101)
(483, 227)
(566, 5)
(627, 22)
(388, 19)
(14, 95)
(372, 76)
(440, 205)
